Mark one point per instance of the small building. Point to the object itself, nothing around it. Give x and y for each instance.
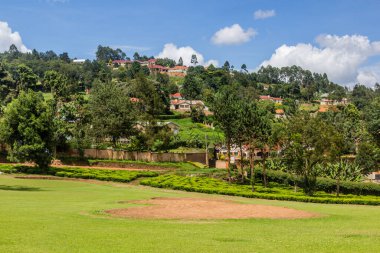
(180, 71)
(176, 96)
(280, 113)
(79, 61)
(273, 99)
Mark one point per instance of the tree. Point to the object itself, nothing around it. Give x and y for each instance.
(65, 57)
(166, 62)
(56, 83)
(309, 141)
(180, 62)
(244, 67)
(226, 66)
(224, 107)
(136, 56)
(372, 118)
(112, 115)
(255, 125)
(25, 78)
(197, 113)
(105, 54)
(361, 96)
(194, 59)
(28, 130)
(192, 87)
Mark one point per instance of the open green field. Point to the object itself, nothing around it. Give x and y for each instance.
(67, 216)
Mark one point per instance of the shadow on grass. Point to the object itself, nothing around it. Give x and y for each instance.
(18, 188)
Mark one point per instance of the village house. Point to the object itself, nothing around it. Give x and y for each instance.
(280, 113)
(176, 96)
(325, 101)
(180, 71)
(273, 99)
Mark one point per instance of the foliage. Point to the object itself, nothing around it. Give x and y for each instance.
(215, 186)
(28, 130)
(112, 114)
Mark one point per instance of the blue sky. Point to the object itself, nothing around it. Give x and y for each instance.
(78, 26)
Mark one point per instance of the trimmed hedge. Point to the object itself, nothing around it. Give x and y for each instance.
(215, 186)
(98, 174)
(323, 184)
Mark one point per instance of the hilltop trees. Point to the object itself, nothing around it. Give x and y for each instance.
(27, 127)
(105, 54)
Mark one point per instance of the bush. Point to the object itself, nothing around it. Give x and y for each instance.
(214, 186)
(322, 184)
(98, 174)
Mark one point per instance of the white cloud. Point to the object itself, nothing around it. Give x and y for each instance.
(173, 52)
(233, 35)
(7, 38)
(340, 57)
(263, 14)
(369, 76)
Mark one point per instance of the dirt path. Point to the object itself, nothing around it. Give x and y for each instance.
(205, 208)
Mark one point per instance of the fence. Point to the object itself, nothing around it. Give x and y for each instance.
(139, 156)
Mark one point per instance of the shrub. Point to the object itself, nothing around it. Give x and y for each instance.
(215, 186)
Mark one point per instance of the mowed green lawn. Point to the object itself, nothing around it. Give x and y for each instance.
(66, 216)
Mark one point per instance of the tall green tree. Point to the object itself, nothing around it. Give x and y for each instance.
(309, 141)
(27, 127)
(111, 112)
(225, 106)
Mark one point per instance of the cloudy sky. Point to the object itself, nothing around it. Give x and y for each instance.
(340, 38)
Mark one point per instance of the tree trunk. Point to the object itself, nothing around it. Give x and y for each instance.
(229, 158)
(241, 163)
(251, 167)
(264, 169)
(337, 187)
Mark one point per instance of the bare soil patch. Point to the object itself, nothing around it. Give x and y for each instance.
(205, 208)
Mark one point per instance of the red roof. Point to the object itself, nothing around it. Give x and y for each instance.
(157, 67)
(176, 95)
(270, 98)
(280, 111)
(134, 100)
(152, 60)
(179, 68)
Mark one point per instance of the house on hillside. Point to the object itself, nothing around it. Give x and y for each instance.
(273, 99)
(280, 113)
(186, 105)
(176, 96)
(180, 71)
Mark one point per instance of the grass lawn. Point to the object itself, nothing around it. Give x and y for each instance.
(66, 216)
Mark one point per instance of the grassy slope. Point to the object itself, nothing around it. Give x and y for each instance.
(196, 131)
(63, 216)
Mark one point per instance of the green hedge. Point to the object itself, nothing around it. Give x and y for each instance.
(215, 186)
(323, 184)
(98, 174)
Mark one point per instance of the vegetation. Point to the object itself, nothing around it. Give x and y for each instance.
(98, 174)
(215, 186)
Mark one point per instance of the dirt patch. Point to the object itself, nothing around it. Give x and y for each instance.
(205, 208)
